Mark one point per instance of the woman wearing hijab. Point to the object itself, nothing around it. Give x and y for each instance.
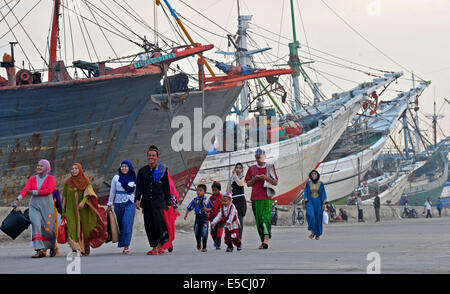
(86, 221)
(236, 189)
(41, 211)
(121, 194)
(315, 199)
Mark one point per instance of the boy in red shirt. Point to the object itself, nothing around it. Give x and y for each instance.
(215, 203)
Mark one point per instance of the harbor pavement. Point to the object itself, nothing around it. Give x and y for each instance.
(407, 246)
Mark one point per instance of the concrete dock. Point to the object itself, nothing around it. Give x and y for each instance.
(414, 246)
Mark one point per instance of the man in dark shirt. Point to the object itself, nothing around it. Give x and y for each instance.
(153, 196)
(376, 204)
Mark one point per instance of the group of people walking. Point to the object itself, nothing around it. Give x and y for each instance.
(153, 192)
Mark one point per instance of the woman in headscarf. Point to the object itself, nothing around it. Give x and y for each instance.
(86, 220)
(171, 214)
(236, 189)
(314, 202)
(121, 194)
(41, 211)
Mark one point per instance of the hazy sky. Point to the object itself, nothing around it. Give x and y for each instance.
(414, 33)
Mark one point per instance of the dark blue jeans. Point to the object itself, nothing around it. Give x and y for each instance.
(201, 232)
(125, 219)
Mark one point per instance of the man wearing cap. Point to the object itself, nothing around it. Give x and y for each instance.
(256, 176)
(153, 196)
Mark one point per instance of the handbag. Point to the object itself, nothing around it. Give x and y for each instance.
(325, 217)
(15, 223)
(270, 188)
(62, 231)
(112, 228)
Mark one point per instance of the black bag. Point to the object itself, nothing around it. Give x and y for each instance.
(15, 223)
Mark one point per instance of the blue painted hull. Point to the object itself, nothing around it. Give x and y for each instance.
(153, 126)
(84, 121)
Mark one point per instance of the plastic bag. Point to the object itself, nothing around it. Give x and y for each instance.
(325, 217)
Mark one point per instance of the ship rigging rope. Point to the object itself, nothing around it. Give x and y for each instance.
(3, 17)
(281, 26)
(88, 34)
(81, 29)
(120, 34)
(103, 33)
(307, 46)
(365, 39)
(20, 19)
(20, 45)
(304, 33)
(26, 33)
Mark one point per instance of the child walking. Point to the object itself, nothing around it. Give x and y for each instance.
(228, 216)
(199, 204)
(215, 203)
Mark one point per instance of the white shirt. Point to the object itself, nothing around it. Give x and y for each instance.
(427, 205)
(232, 221)
(117, 192)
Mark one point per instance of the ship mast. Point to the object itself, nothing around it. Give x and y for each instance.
(54, 38)
(295, 64)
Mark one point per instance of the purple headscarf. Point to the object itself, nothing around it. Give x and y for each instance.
(47, 167)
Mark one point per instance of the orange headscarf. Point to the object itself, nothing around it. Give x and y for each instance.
(80, 181)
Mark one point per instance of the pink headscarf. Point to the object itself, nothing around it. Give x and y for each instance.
(47, 167)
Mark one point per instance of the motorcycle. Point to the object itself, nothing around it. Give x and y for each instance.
(331, 212)
(409, 213)
(274, 217)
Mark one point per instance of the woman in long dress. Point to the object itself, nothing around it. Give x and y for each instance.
(236, 188)
(121, 195)
(86, 220)
(171, 214)
(315, 199)
(41, 211)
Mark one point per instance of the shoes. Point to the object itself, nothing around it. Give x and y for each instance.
(217, 247)
(170, 249)
(161, 251)
(263, 246)
(199, 247)
(204, 250)
(152, 252)
(229, 250)
(126, 251)
(54, 252)
(39, 254)
(239, 248)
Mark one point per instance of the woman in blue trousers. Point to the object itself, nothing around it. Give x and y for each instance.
(121, 195)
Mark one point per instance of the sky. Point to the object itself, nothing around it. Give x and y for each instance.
(414, 34)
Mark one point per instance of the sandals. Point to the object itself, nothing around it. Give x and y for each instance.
(54, 252)
(153, 252)
(126, 251)
(156, 251)
(39, 254)
(311, 236)
(317, 238)
(263, 246)
(204, 250)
